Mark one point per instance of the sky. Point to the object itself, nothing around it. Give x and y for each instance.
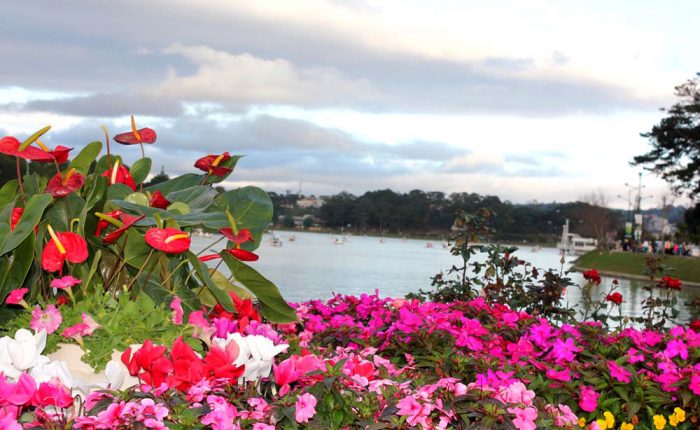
(528, 100)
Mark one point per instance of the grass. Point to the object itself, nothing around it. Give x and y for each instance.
(626, 263)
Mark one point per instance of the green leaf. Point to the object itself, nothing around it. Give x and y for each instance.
(31, 217)
(140, 169)
(273, 306)
(93, 270)
(14, 271)
(198, 198)
(203, 273)
(181, 182)
(251, 207)
(86, 157)
(136, 250)
(8, 192)
(222, 282)
(138, 199)
(213, 220)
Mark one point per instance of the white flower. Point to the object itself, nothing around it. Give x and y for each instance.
(255, 352)
(47, 370)
(115, 375)
(21, 353)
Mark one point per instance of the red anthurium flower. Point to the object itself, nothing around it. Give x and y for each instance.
(211, 164)
(119, 174)
(59, 153)
(240, 254)
(103, 223)
(671, 283)
(63, 246)
(592, 276)
(134, 137)
(151, 360)
(615, 298)
(245, 312)
(61, 185)
(169, 240)
(15, 217)
(159, 201)
(10, 146)
(128, 221)
(243, 235)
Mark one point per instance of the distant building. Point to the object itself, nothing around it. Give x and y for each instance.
(310, 202)
(659, 226)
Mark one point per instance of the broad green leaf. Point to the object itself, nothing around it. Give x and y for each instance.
(137, 198)
(93, 269)
(140, 169)
(181, 182)
(273, 306)
(136, 250)
(14, 271)
(212, 220)
(231, 164)
(159, 294)
(8, 192)
(34, 183)
(31, 217)
(203, 274)
(251, 207)
(102, 164)
(64, 210)
(179, 208)
(222, 282)
(86, 157)
(198, 198)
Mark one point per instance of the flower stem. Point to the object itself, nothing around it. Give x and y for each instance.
(150, 254)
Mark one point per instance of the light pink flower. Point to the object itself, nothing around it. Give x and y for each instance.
(90, 325)
(176, 306)
(16, 297)
(65, 282)
(524, 418)
(49, 320)
(305, 408)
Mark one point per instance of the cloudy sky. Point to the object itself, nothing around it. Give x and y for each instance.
(526, 100)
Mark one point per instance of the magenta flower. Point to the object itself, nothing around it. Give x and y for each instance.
(65, 282)
(305, 408)
(618, 372)
(176, 306)
(589, 399)
(49, 319)
(16, 297)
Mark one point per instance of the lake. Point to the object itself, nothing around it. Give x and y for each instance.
(314, 266)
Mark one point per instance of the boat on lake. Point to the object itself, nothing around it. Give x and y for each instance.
(572, 243)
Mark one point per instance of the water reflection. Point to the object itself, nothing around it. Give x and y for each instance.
(315, 266)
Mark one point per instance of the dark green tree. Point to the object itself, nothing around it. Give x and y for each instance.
(675, 141)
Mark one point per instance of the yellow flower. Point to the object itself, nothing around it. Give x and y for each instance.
(659, 422)
(582, 422)
(609, 419)
(680, 414)
(626, 426)
(673, 420)
(602, 424)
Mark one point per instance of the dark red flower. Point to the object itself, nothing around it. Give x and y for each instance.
(159, 201)
(243, 235)
(58, 154)
(61, 300)
(103, 223)
(128, 221)
(148, 363)
(188, 368)
(211, 164)
(134, 137)
(671, 283)
(695, 326)
(119, 174)
(245, 312)
(10, 146)
(61, 185)
(240, 254)
(15, 217)
(169, 240)
(615, 298)
(218, 364)
(63, 246)
(592, 276)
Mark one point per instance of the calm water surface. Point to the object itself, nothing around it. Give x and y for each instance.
(313, 266)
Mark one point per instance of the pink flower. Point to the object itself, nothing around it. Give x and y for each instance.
(176, 306)
(516, 392)
(563, 375)
(589, 399)
(16, 297)
(222, 413)
(305, 408)
(52, 393)
(618, 372)
(65, 282)
(77, 331)
(564, 351)
(676, 347)
(49, 320)
(18, 393)
(524, 418)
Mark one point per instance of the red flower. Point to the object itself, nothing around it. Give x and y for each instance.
(10, 146)
(669, 282)
(218, 364)
(134, 137)
(59, 154)
(128, 220)
(695, 326)
(168, 240)
(240, 254)
(615, 298)
(119, 174)
(103, 223)
(159, 201)
(592, 276)
(188, 368)
(61, 300)
(15, 217)
(245, 312)
(243, 235)
(63, 246)
(61, 186)
(151, 361)
(211, 164)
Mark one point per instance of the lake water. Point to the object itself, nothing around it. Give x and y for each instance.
(313, 266)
